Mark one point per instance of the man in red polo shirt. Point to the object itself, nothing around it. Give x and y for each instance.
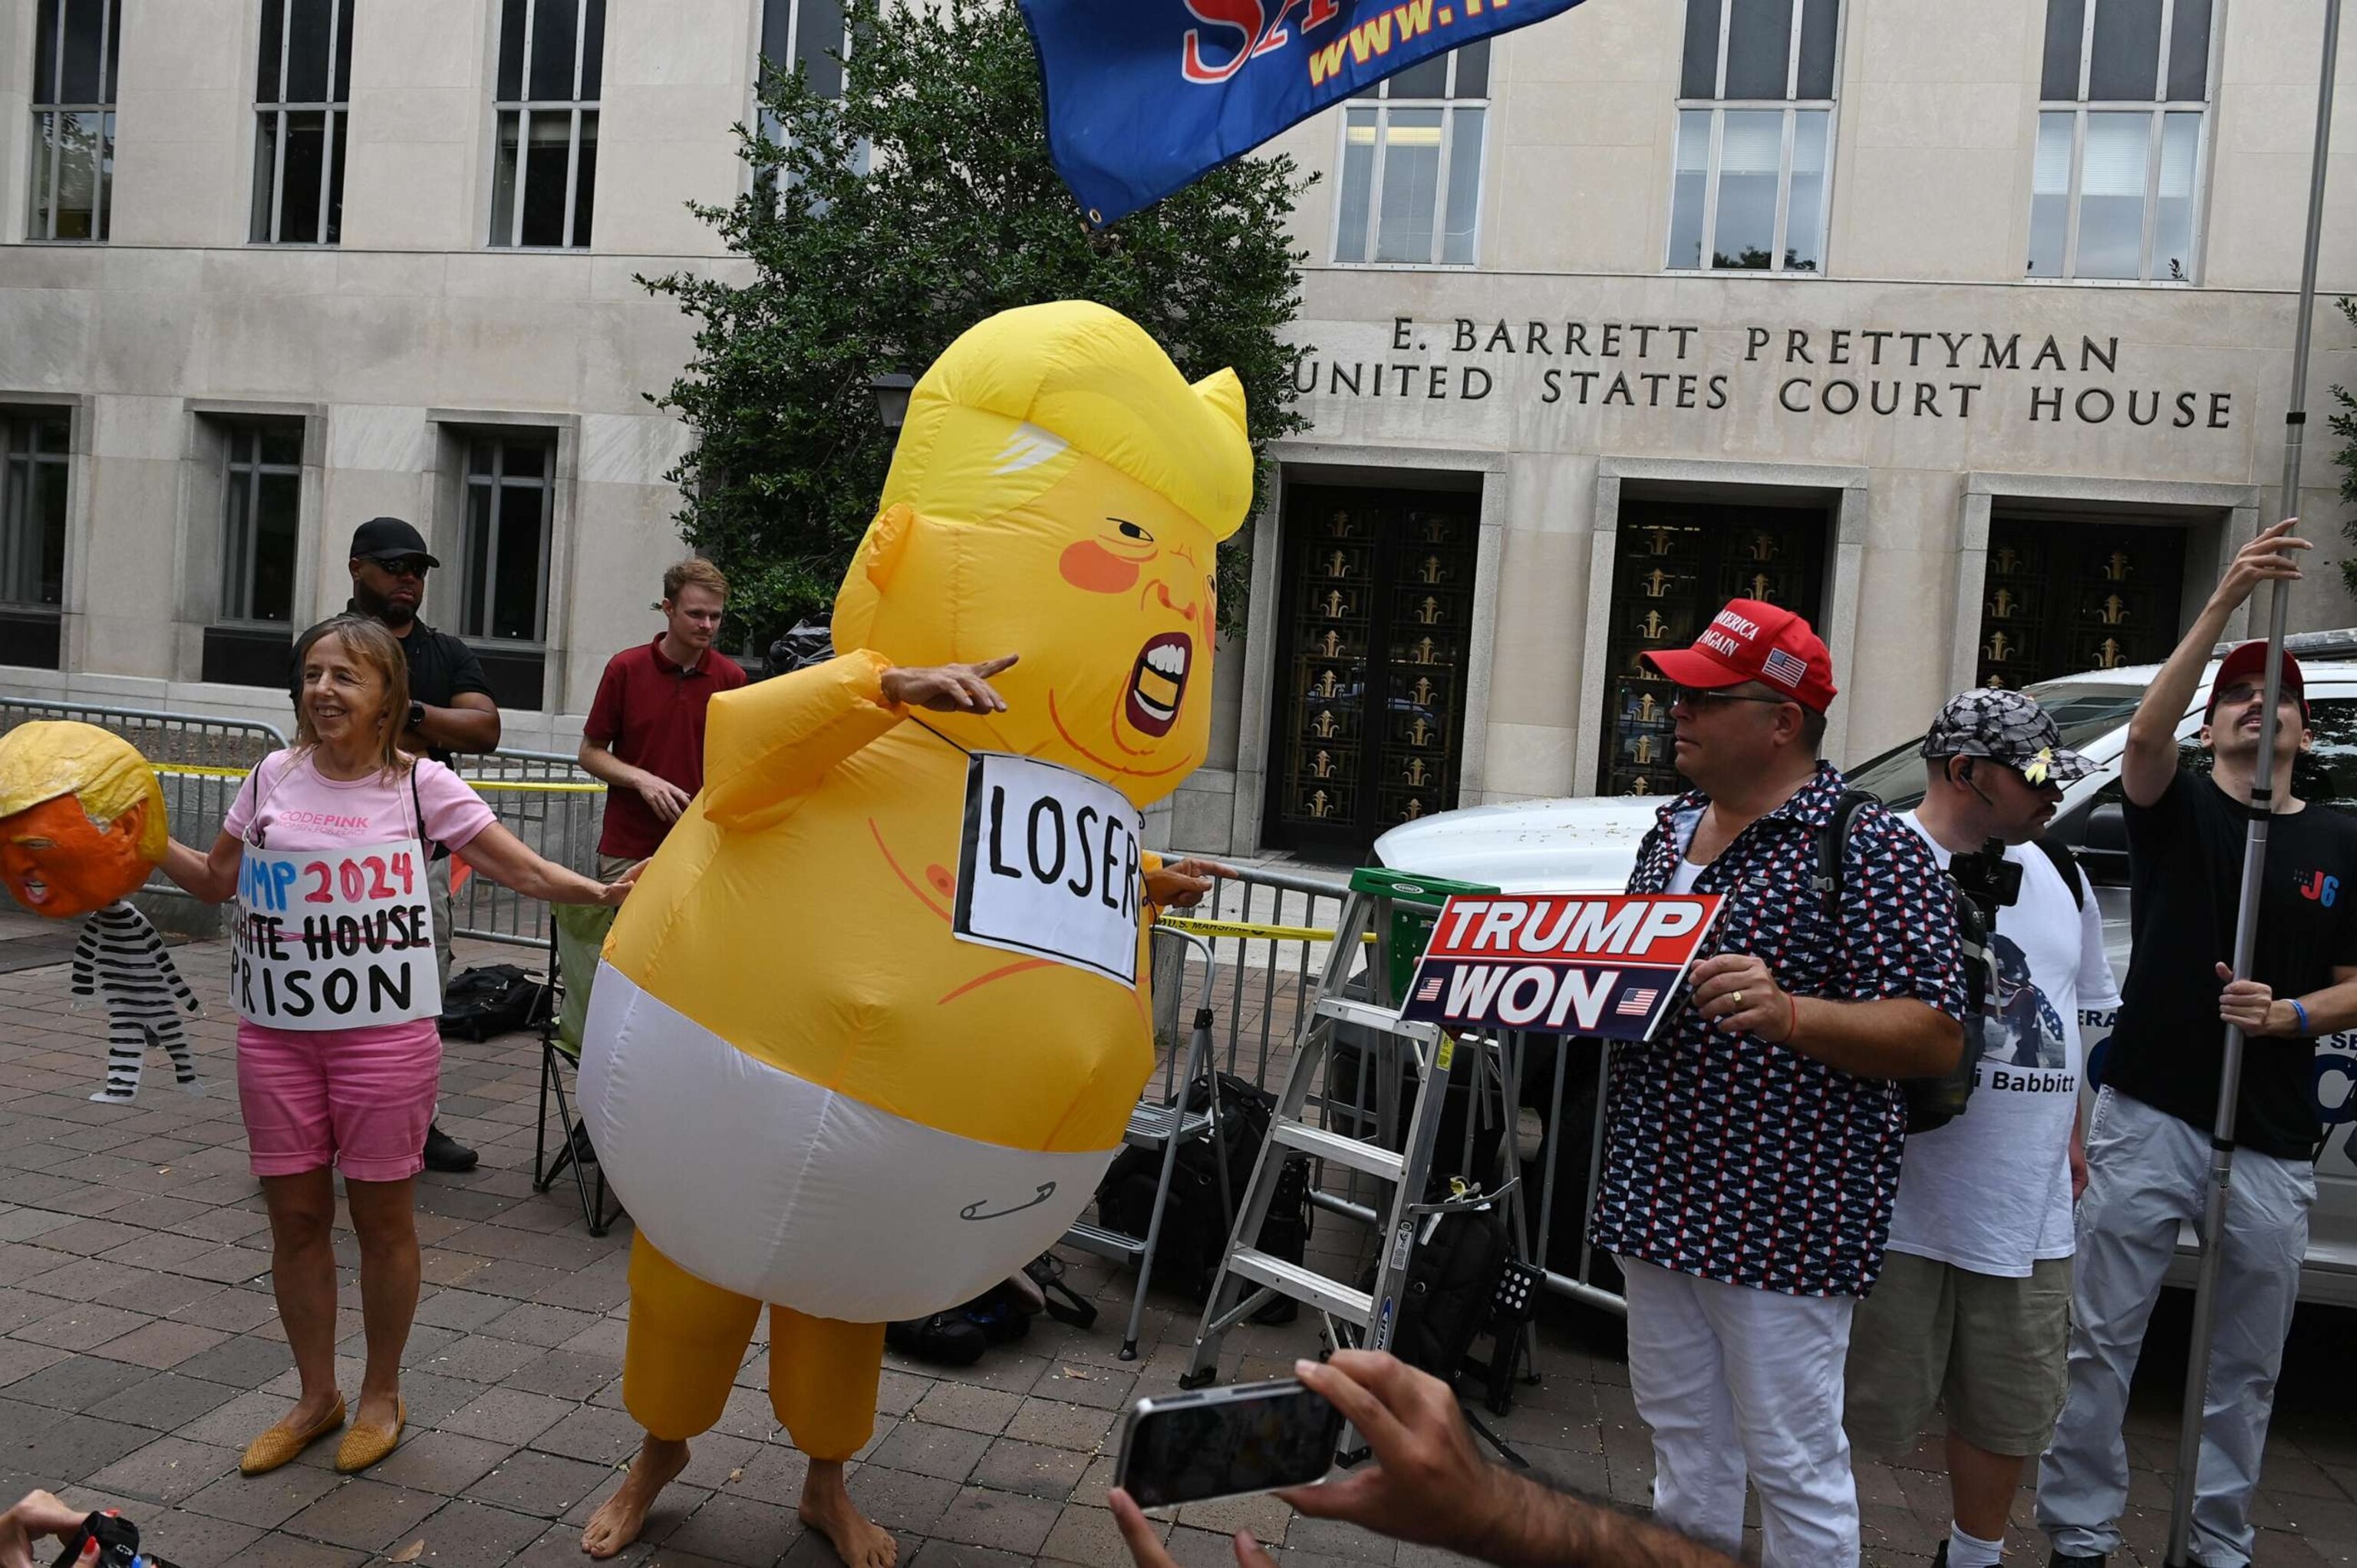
(645, 734)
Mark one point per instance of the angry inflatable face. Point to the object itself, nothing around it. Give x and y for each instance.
(1105, 590)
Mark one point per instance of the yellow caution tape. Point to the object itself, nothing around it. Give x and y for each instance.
(535, 785)
(1248, 931)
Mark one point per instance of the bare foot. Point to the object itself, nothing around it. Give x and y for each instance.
(619, 1518)
(826, 1508)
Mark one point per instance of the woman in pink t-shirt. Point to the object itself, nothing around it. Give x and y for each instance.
(332, 971)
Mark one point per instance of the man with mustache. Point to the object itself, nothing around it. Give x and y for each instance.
(2148, 1138)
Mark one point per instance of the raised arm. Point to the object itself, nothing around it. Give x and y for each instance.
(768, 746)
(2150, 760)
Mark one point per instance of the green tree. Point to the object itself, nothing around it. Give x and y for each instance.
(2344, 426)
(883, 223)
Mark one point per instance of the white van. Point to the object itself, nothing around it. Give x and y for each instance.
(1588, 845)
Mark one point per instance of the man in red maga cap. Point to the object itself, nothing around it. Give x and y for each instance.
(1753, 1149)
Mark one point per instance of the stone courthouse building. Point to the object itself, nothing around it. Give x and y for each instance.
(1964, 329)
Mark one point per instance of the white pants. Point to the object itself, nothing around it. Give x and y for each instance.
(2148, 1173)
(1739, 1384)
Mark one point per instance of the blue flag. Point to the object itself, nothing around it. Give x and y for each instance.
(1144, 95)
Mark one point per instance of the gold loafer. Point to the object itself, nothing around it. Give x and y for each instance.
(281, 1443)
(364, 1446)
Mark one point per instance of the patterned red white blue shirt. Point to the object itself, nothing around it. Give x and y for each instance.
(1744, 1161)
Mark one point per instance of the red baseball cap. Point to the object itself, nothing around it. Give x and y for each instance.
(1751, 640)
(2248, 660)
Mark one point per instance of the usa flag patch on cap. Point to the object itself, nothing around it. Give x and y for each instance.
(1782, 668)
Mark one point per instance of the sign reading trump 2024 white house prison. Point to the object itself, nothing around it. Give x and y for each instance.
(1577, 963)
(1048, 865)
(336, 939)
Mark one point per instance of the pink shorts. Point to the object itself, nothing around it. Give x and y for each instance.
(359, 1099)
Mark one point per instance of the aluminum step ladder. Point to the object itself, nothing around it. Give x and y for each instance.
(1248, 1277)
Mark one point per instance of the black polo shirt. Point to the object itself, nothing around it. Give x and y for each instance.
(440, 667)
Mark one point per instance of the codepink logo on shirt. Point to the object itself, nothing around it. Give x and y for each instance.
(346, 827)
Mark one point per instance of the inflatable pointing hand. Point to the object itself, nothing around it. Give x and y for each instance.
(81, 818)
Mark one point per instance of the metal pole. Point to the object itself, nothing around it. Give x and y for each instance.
(2255, 852)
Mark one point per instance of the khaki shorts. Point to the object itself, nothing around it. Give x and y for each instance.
(609, 866)
(1987, 1350)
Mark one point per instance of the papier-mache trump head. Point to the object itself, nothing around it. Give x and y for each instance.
(81, 818)
(1059, 492)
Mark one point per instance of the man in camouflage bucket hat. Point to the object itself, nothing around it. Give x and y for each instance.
(1972, 1313)
(2008, 728)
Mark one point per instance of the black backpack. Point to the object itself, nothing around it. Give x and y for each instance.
(1195, 1223)
(494, 999)
(1451, 1288)
(1939, 1100)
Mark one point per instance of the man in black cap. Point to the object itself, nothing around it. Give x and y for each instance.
(450, 710)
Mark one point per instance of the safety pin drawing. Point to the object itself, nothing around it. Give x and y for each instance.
(974, 1210)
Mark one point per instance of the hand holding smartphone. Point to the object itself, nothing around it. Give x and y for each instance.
(1226, 1442)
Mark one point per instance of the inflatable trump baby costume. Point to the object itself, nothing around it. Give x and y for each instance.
(872, 1024)
(81, 822)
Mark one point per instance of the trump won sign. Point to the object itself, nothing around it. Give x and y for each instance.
(1578, 963)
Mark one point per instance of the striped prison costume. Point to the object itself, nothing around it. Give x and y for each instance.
(122, 961)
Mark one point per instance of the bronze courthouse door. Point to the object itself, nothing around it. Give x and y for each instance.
(1377, 599)
(1674, 563)
(2060, 598)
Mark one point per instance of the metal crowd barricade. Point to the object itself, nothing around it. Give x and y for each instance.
(200, 760)
(549, 801)
(1272, 928)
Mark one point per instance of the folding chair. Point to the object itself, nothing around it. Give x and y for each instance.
(1164, 1126)
(575, 932)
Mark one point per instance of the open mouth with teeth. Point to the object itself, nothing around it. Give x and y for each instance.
(1158, 683)
(34, 890)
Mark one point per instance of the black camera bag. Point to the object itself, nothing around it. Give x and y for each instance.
(1936, 1100)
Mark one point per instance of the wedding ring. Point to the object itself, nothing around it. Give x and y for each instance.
(1736, 999)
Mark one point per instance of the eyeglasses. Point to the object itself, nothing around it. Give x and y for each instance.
(406, 565)
(1701, 701)
(2234, 697)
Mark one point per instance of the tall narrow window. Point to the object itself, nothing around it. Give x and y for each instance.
(805, 33)
(75, 44)
(503, 566)
(1411, 187)
(1755, 135)
(303, 80)
(33, 461)
(262, 506)
(544, 174)
(2122, 121)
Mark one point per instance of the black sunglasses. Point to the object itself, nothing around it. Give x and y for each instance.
(1701, 700)
(405, 566)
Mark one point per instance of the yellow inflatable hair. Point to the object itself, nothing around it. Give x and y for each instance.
(1075, 381)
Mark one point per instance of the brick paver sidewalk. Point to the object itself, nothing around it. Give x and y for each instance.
(139, 1351)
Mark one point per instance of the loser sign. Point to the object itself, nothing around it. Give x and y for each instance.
(1559, 964)
(1048, 865)
(336, 939)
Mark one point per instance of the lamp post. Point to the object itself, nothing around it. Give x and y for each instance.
(892, 401)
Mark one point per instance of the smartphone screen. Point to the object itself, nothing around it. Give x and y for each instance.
(1252, 1437)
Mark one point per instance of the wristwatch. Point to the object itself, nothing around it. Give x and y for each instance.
(416, 715)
